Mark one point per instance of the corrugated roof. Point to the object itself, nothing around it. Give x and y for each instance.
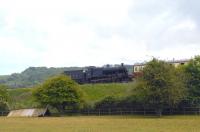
(28, 113)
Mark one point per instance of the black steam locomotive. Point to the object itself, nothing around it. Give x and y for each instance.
(100, 75)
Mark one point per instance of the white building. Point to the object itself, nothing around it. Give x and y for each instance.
(138, 67)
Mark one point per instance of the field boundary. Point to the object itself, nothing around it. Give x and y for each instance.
(129, 111)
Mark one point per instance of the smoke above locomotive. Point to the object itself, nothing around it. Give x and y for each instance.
(107, 74)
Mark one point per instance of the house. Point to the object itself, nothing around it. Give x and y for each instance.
(138, 67)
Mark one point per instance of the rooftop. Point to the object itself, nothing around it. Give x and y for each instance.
(168, 61)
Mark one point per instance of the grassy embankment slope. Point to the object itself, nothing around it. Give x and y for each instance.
(101, 124)
(22, 98)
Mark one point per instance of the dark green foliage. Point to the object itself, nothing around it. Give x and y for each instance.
(160, 86)
(60, 92)
(4, 106)
(193, 80)
(109, 102)
(134, 101)
(4, 97)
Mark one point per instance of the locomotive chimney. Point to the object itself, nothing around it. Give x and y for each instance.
(122, 64)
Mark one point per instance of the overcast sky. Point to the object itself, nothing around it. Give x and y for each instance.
(63, 33)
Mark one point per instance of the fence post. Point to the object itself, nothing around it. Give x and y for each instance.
(171, 111)
(184, 110)
(199, 111)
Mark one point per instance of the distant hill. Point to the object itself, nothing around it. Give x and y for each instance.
(32, 76)
(36, 75)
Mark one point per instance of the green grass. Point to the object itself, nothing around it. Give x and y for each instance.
(22, 98)
(101, 124)
(96, 92)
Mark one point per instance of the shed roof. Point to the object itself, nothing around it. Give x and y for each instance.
(28, 113)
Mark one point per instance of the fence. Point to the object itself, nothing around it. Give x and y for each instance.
(117, 112)
(132, 111)
(126, 111)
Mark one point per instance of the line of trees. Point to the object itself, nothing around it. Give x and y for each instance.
(162, 86)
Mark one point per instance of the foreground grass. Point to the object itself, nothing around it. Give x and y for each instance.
(101, 124)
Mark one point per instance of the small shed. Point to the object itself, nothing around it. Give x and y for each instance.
(35, 112)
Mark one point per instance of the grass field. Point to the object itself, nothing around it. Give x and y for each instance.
(96, 92)
(101, 124)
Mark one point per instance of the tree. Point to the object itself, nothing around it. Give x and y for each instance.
(4, 97)
(160, 86)
(193, 80)
(59, 92)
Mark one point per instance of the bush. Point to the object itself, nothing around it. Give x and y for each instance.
(4, 106)
(4, 97)
(109, 102)
(60, 92)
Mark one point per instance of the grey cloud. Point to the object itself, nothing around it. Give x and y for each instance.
(190, 8)
(154, 18)
(150, 21)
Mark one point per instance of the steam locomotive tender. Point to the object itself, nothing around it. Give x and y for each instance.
(100, 75)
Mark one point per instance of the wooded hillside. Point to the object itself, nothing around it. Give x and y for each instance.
(36, 75)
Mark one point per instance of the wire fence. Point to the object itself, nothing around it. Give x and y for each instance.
(129, 111)
(101, 112)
